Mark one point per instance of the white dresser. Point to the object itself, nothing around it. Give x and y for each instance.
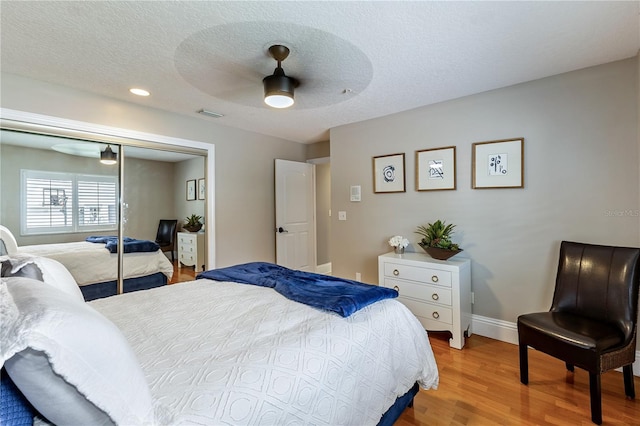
(191, 250)
(438, 292)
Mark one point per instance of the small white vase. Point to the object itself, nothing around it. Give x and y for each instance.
(398, 250)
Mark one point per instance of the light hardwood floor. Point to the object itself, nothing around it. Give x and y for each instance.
(186, 273)
(480, 385)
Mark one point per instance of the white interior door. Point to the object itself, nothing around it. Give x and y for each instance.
(295, 215)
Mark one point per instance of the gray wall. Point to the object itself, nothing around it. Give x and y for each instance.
(581, 182)
(188, 170)
(145, 190)
(319, 153)
(244, 166)
(323, 206)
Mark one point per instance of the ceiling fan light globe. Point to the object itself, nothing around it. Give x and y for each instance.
(279, 101)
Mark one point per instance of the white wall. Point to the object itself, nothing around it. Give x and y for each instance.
(244, 166)
(581, 182)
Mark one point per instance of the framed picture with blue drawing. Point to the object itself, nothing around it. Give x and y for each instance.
(498, 164)
(388, 173)
(436, 169)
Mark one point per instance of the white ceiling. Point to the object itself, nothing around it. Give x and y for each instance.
(355, 60)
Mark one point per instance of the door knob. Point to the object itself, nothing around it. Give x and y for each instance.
(281, 230)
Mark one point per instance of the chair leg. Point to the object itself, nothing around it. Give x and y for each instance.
(569, 367)
(595, 394)
(629, 388)
(524, 364)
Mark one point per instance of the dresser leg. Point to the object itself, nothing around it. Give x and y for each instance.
(457, 340)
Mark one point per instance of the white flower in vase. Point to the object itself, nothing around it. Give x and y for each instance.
(399, 243)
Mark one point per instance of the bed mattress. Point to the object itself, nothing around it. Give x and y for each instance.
(91, 263)
(228, 353)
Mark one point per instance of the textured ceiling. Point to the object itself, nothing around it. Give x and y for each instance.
(355, 60)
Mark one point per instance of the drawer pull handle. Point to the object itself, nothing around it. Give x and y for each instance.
(396, 288)
(435, 296)
(436, 315)
(396, 272)
(434, 278)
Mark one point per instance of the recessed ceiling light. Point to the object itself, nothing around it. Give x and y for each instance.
(139, 92)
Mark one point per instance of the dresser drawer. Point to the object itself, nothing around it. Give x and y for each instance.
(188, 259)
(414, 273)
(186, 239)
(428, 311)
(187, 248)
(423, 292)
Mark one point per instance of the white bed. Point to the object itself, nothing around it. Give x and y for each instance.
(233, 354)
(92, 263)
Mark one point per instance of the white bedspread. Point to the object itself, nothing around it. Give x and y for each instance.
(91, 263)
(233, 354)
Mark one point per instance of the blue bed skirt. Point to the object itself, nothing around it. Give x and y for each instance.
(109, 288)
(394, 412)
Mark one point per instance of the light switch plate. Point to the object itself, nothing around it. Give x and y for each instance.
(342, 215)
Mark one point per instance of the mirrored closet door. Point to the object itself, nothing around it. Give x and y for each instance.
(61, 195)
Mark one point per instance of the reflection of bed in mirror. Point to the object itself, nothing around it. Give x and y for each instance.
(95, 268)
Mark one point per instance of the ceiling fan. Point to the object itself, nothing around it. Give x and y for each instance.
(278, 87)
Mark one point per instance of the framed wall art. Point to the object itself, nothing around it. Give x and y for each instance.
(436, 169)
(388, 173)
(191, 190)
(202, 189)
(498, 164)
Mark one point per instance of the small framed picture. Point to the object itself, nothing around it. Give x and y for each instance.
(388, 173)
(436, 169)
(202, 190)
(498, 164)
(191, 190)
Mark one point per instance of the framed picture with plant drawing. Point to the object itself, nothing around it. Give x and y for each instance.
(388, 173)
(201, 189)
(191, 190)
(498, 164)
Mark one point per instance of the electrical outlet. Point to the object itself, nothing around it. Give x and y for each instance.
(473, 298)
(358, 276)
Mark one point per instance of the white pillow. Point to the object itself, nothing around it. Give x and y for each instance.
(72, 364)
(53, 272)
(9, 240)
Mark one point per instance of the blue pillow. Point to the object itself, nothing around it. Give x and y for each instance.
(15, 410)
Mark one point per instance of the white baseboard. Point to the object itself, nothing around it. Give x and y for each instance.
(324, 269)
(508, 332)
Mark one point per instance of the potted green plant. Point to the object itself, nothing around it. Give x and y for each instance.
(192, 223)
(436, 240)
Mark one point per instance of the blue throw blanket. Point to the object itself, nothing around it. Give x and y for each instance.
(320, 291)
(131, 245)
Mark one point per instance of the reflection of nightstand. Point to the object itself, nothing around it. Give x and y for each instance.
(438, 292)
(191, 250)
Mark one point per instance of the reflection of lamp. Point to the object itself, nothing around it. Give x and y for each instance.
(108, 156)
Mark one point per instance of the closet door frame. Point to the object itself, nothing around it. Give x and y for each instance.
(38, 123)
